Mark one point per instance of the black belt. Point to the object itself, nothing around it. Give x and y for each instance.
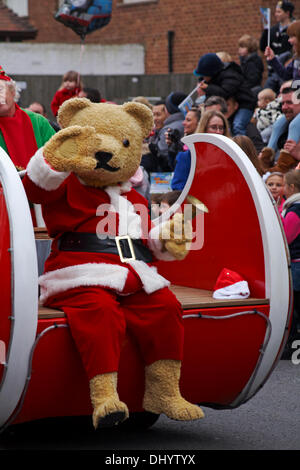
(127, 248)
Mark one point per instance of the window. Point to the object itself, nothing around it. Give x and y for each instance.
(20, 7)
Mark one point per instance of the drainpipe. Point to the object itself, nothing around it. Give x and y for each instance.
(171, 35)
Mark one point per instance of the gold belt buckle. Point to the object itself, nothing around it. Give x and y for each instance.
(131, 248)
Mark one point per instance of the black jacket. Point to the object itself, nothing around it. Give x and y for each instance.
(253, 69)
(230, 82)
(279, 40)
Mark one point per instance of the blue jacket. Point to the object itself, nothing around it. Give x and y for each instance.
(291, 72)
(182, 170)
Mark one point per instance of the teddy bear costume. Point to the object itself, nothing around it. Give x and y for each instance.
(81, 180)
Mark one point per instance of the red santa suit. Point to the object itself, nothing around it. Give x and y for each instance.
(100, 295)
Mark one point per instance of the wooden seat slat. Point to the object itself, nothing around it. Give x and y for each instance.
(200, 298)
(189, 298)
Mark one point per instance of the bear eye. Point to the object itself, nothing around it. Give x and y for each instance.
(126, 143)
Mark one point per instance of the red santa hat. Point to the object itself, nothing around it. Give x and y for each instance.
(3, 75)
(230, 285)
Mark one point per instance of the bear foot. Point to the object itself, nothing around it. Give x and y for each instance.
(178, 409)
(109, 414)
(162, 394)
(108, 409)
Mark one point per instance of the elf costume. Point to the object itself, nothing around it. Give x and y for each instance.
(23, 133)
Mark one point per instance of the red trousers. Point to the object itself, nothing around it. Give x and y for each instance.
(98, 319)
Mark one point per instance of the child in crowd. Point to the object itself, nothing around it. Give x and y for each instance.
(264, 97)
(161, 202)
(70, 87)
(275, 184)
(267, 111)
(167, 200)
(251, 63)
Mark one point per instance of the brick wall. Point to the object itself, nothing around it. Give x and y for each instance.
(200, 26)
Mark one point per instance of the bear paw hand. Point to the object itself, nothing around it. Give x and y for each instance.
(176, 236)
(73, 149)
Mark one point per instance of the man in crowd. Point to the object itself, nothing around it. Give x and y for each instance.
(285, 133)
(22, 132)
(173, 125)
(160, 114)
(149, 159)
(39, 108)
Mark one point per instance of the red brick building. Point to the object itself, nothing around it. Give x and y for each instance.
(198, 26)
(133, 54)
(176, 30)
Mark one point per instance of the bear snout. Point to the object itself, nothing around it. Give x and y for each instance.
(102, 161)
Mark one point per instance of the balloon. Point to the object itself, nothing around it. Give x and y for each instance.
(84, 16)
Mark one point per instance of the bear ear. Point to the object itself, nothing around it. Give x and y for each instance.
(69, 108)
(142, 114)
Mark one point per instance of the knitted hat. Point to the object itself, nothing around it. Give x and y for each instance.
(230, 285)
(173, 100)
(208, 65)
(286, 6)
(3, 75)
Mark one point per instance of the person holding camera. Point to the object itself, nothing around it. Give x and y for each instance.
(173, 123)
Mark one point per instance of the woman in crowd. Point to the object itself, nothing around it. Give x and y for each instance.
(292, 70)
(211, 122)
(70, 87)
(214, 122)
(173, 140)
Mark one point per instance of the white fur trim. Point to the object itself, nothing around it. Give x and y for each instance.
(89, 274)
(130, 222)
(99, 274)
(42, 174)
(149, 276)
(239, 290)
(156, 246)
